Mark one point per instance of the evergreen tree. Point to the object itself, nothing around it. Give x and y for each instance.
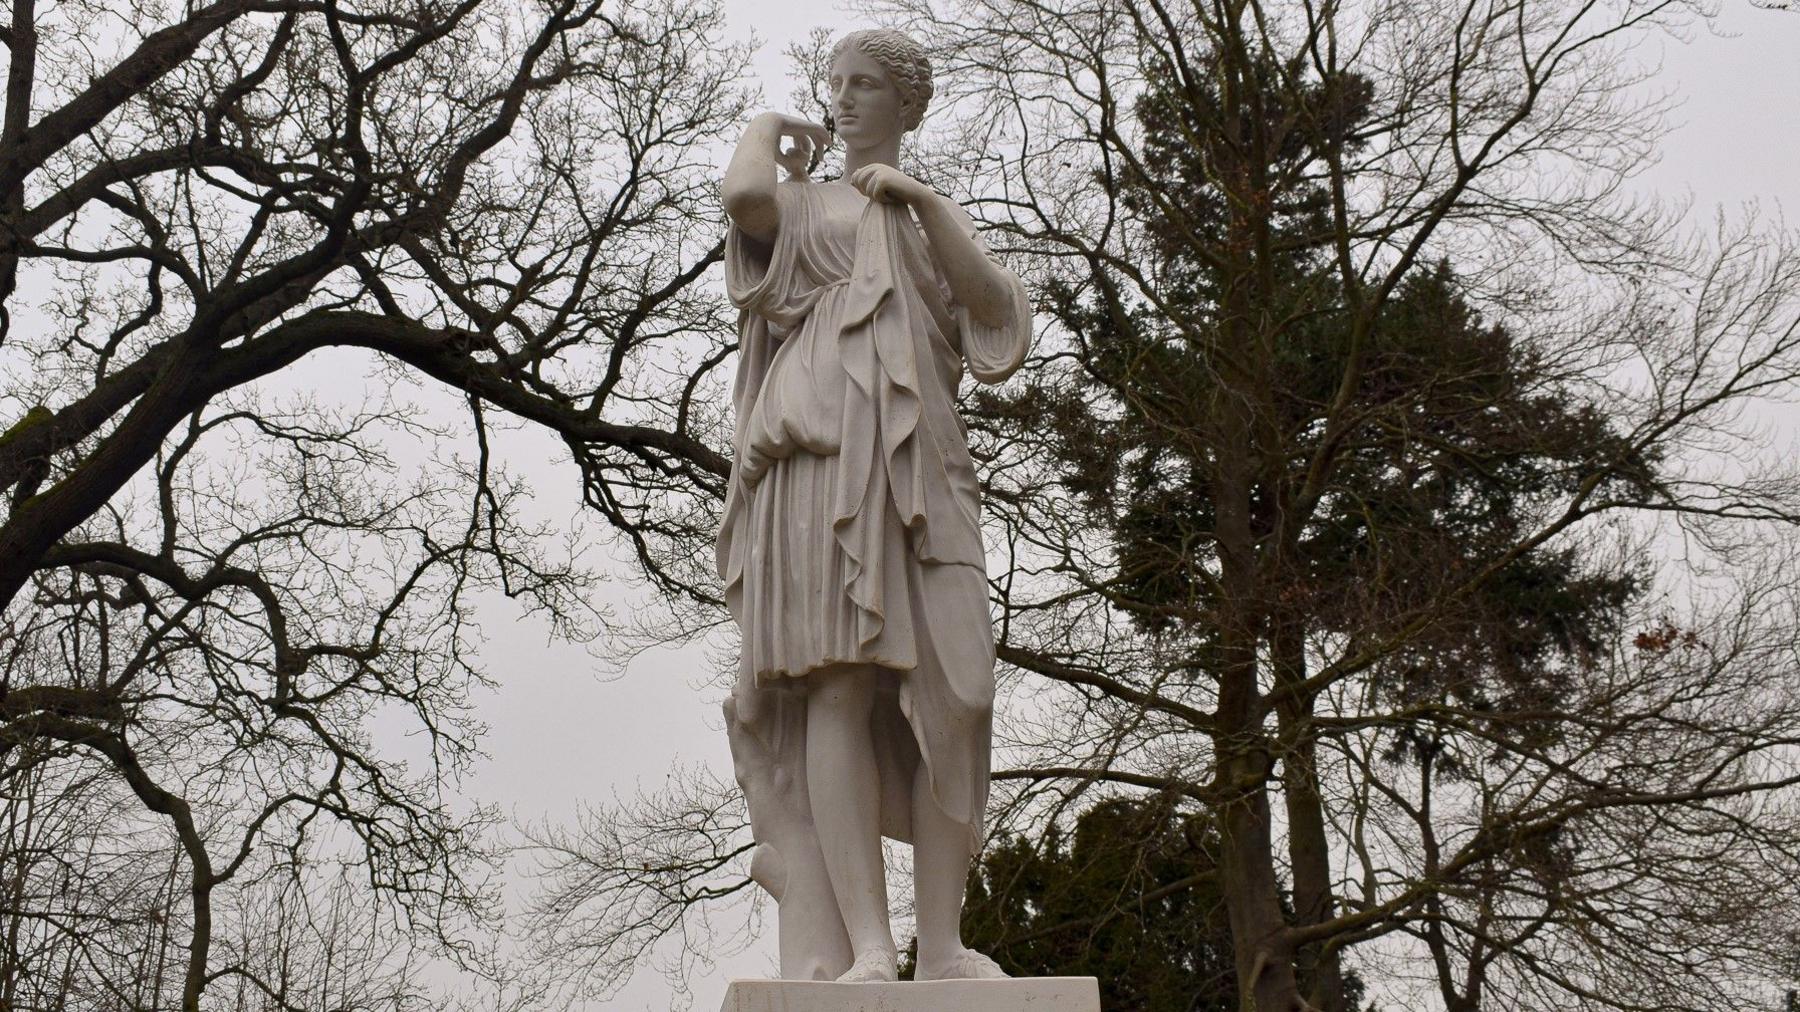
(1463, 433)
(1130, 896)
(1231, 375)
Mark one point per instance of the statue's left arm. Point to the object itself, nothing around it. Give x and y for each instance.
(976, 282)
(992, 310)
(990, 300)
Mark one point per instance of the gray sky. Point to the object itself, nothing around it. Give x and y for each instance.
(563, 731)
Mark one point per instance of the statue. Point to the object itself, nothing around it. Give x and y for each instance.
(851, 549)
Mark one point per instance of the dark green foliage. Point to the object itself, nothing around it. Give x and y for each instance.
(1129, 897)
(1383, 469)
(1460, 437)
(1188, 143)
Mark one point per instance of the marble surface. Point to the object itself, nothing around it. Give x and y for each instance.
(850, 551)
(1019, 994)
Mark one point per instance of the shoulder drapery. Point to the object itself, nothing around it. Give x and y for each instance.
(902, 442)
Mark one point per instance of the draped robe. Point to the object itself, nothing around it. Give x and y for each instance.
(851, 532)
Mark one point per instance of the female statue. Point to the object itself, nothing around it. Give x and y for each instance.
(851, 551)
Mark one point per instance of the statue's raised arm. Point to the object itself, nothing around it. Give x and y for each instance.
(749, 188)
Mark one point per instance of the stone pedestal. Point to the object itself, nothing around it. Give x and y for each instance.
(1020, 994)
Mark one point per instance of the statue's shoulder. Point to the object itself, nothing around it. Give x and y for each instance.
(797, 192)
(957, 211)
(807, 184)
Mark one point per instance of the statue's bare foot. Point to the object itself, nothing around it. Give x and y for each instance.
(873, 966)
(962, 964)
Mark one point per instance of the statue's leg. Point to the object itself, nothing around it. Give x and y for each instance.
(787, 861)
(941, 855)
(942, 850)
(845, 789)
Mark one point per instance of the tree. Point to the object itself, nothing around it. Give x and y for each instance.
(1335, 502)
(225, 581)
(1462, 433)
(675, 861)
(1131, 897)
(96, 914)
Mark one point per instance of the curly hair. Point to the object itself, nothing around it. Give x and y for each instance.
(903, 59)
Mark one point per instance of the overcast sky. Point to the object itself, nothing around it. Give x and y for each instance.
(563, 731)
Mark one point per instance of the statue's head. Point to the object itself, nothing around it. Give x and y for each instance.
(880, 85)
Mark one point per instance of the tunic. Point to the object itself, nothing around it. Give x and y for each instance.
(852, 523)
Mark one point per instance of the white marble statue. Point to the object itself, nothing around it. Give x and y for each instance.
(851, 551)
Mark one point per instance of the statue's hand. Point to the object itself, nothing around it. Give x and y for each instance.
(886, 183)
(808, 138)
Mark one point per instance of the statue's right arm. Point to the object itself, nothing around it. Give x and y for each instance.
(749, 188)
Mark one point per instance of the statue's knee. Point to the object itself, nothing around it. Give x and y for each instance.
(847, 692)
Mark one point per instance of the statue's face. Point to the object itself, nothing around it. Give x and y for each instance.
(865, 104)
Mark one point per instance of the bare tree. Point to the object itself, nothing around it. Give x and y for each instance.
(626, 877)
(98, 916)
(226, 580)
(86, 897)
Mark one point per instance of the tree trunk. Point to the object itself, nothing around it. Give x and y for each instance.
(1309, 850)
(1265, 960)
(1265, 966)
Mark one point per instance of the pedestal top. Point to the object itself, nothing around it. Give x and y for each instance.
(1018, 994)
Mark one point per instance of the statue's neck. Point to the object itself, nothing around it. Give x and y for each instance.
(887, 153)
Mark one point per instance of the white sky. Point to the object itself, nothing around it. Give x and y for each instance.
(562, 731)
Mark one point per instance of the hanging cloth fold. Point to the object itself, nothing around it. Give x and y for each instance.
(903, 389)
